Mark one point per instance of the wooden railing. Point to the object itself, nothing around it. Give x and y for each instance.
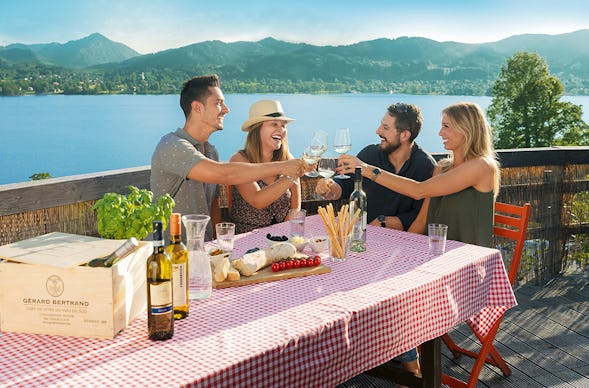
(548, 178)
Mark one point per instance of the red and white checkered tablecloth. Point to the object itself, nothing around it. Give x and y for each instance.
(314, 331)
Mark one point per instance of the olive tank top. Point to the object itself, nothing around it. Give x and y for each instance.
(468, 214)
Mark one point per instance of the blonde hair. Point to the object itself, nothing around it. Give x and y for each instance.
(252, 149)
(469, 119)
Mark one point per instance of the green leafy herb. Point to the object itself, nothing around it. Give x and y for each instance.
(122, 217)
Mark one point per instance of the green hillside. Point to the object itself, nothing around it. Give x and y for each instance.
(404, 65)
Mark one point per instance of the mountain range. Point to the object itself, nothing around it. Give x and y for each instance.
(89, 51)
(400, 60)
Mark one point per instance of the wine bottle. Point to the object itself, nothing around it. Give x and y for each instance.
(160, 310)
(358, 201)
(122, 251)
(179, 256)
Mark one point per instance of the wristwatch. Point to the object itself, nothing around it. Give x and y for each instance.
(383, 220)
(375, 173)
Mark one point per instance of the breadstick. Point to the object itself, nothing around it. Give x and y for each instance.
(330, 227)
(354, 219)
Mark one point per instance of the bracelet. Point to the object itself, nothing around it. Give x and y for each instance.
(288, 177)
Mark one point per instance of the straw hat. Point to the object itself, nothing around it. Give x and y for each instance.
(264, 110)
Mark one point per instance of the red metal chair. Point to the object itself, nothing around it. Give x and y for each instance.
(511, 222)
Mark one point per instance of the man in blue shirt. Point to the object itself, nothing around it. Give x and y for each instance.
(397, 153)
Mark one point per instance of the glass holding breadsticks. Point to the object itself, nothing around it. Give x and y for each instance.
(339, 229)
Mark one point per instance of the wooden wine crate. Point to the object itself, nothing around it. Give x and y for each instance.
(46, 289)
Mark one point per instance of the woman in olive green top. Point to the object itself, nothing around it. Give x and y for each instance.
(462, 191)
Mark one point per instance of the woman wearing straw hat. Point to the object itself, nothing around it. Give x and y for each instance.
(266, 201)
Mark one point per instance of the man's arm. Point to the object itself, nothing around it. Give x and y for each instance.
(391, 222)
(418, 225)
(262, 197)
(210, 171)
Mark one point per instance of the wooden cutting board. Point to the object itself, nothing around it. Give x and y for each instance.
(266, 275)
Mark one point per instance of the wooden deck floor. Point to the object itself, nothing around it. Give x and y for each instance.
(545, 339)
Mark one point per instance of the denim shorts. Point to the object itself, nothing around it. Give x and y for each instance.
(410, 355)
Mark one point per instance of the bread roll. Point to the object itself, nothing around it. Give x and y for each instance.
(220, 265)
(233, 274)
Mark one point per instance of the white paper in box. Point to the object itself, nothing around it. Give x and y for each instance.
(71, 301)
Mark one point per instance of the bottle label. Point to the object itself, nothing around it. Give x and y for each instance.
(161, 310)
(179, 280)
(161, 298)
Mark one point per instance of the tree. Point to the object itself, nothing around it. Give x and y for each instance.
(40, 175)
(526, 110)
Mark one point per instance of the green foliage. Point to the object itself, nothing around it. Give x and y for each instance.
(526, 110)
(122, 217)
(40, 175)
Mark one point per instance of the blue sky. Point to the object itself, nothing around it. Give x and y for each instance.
(154, 25)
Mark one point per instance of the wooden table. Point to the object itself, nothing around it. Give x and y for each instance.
(315, 331)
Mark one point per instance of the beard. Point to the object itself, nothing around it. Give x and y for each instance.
(389, 148)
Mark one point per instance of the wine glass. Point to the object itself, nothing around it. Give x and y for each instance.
(311, 156)
(326, 167)
(319, 142)
(312, 153)
(342, 143)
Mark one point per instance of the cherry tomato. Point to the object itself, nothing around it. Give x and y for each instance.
(317, 261)
(289, 264)
(281, 266)
(275, 267)
(296, 263)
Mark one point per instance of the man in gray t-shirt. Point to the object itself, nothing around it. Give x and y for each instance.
(186, 166)
(175, 155)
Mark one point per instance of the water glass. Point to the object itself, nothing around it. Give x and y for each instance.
(437, 238)
(297, 222)
(225, 235)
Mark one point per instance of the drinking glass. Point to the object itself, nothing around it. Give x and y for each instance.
(339, 248)
(297, 222)
(319, 142)
(326, 167)
(437, 238)
(342, 143)
(312, 153)
(225, 235)
(311, 156)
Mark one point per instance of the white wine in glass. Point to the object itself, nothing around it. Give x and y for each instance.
(319, 142)
(312, 153)
(311, 156)
(342, 143)
(327, 166)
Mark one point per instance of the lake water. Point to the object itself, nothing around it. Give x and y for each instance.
(70, 135)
